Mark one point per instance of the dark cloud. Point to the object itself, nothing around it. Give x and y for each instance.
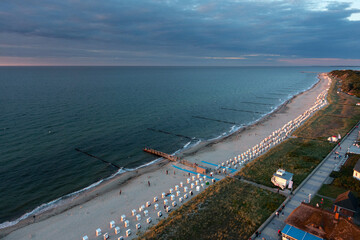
(175, 32)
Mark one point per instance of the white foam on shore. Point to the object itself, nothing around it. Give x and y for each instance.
(57, 202)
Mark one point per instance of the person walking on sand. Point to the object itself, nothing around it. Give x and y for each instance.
(149, 183)
(167, 172)
(120, 192)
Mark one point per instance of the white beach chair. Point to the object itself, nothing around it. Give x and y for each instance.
(112, 224)
(106, 236)
(126, 223)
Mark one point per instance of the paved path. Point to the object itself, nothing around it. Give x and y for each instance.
(285, 192)
(269, 230)
(329, 198)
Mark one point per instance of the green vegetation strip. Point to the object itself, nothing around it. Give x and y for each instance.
(229, 209)
(298, 156)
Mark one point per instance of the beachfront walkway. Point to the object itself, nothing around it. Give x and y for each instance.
(269, 230)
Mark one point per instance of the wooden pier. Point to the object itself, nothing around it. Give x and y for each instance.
(161, 154)
(198, 168)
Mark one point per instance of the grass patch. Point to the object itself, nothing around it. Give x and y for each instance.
(343, 181)
(229, 209)
(327, 204)
(330, 190)
(344, 178)
(298, 156)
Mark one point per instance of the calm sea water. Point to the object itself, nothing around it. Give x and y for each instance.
(47, 112)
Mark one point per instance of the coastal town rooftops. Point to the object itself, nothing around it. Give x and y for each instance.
(357, 166)
(296, 233)
(348, 201)
(283, 174)
(322, 223)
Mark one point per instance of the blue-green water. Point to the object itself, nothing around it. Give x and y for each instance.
(47, 112)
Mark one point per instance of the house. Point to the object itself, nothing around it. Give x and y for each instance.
(281, 178)
(356, 173)
(307, 222)
(346, 204)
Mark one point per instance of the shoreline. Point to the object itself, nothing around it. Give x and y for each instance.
(278, 109)
(124, 179)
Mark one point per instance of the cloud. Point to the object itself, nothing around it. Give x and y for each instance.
(321, 61)
(177, 32)
(225, 58)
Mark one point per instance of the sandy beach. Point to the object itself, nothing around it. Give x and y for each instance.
(96, 207)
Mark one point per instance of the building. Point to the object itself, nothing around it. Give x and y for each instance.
(346, 204)
(307, 222)
(282, 178)
(356, 173)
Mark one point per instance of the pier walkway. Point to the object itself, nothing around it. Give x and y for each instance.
(307, 189)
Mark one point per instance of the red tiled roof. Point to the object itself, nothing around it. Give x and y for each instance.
(322, 223)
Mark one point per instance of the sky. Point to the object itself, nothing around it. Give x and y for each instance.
(180, 32)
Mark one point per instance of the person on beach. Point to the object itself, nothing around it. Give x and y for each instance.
(167, 172)
(149, 183)
(120, 192)
(174, 172)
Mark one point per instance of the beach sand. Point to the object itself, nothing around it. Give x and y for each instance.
(98, 206)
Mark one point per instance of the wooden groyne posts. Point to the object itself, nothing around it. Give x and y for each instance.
(198, 168)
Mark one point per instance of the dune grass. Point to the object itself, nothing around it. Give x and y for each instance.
(229, 209)
(298, 156)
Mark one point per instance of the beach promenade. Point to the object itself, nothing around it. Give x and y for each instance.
(308, 188)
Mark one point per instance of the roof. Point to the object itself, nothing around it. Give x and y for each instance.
(285, 175)
(298, 234)
(357, 166)
(322, 223)
(347, 200)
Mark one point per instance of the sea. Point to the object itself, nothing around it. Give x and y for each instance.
(113, 113)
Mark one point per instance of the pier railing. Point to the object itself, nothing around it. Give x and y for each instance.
(198, 168)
